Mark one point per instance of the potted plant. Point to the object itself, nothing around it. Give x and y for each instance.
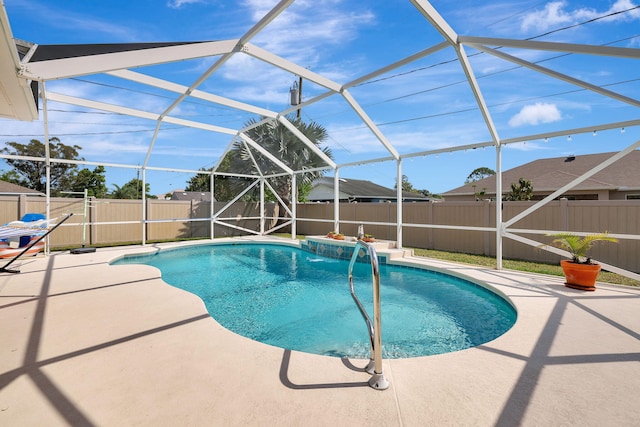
(368, 238)
(580, 272)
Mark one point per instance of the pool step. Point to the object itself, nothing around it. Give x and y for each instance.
(386, 248)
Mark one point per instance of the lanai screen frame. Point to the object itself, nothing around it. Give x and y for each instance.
(118, 65)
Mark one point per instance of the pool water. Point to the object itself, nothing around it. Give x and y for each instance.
(298, 300)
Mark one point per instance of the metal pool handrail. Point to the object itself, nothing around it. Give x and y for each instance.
(377, 380)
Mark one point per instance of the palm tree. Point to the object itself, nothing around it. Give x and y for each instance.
(275, 138)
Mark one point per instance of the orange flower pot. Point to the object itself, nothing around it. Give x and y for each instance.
(580, 276)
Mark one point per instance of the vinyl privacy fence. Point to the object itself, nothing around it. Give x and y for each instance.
(114, 222)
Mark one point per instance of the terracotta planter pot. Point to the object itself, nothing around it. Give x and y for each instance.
(580, 276)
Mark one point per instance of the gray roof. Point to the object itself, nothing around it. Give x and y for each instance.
(362, 189)
(7, 188)
(201, 196)
(548, 175)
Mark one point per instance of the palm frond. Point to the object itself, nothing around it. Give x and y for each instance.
(579, 246)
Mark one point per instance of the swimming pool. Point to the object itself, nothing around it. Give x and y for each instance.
(286, 297)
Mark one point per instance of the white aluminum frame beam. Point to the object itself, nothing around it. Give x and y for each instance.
(267, 154)
(409, 59)
(96, 105)
(370, 76)
(366, 162)
(55, 69)
(574, 131)
(235, 199)
(289, 66)
(234, 175)
(438, 22)
(275, 193)
(266, 19)
(185, 92)
(572, 184)
(370, 124)
(223, 223)
(273, 13)
(199, 94)
(452, 37)
(477, 93)
(557, 75)
(548, 248)
(308, 102)
(253, 159)
(225, 152)
(261, 122)
(152, 144)
(450, 149)
(618, 52)
(313, 147)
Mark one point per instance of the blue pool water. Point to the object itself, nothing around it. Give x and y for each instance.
(298, 300)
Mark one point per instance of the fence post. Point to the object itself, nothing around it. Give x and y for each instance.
(564, 214)
(93, 207)
(486, 213)
(192, 214)
(430, 230)
(22, 205)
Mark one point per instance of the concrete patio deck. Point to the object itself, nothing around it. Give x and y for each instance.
(84, 343)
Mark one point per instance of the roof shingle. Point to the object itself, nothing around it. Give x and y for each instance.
(547, 175)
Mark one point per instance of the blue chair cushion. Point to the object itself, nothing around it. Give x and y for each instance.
(32, 217)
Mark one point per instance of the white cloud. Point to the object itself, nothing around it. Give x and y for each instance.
(306, 34)
(556, 13)
(553, 14)
(177, 4)
(298, 30)
(83, 25)
(621, 5)
(527, 146)
(536, 114)
(353, 138)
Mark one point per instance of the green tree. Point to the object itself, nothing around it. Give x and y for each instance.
(521, 190)
(478, 174)
(200, 181)
(479, 194)
(304, 190)
(222, 184)
(428, 193)
(33, 173)
(281, 143)
(11, 176)
(94, 181)
(407, 186)
(131, 190)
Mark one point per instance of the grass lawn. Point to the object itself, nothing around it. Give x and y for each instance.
(531, 267)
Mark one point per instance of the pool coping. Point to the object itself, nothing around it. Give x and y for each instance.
(89, 343)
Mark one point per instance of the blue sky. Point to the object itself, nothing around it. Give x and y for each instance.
(425, 105)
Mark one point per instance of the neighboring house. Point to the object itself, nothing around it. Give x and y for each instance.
(356, 190)
(167, 195)
(9, 189)
(619, 181)
(199, 196)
